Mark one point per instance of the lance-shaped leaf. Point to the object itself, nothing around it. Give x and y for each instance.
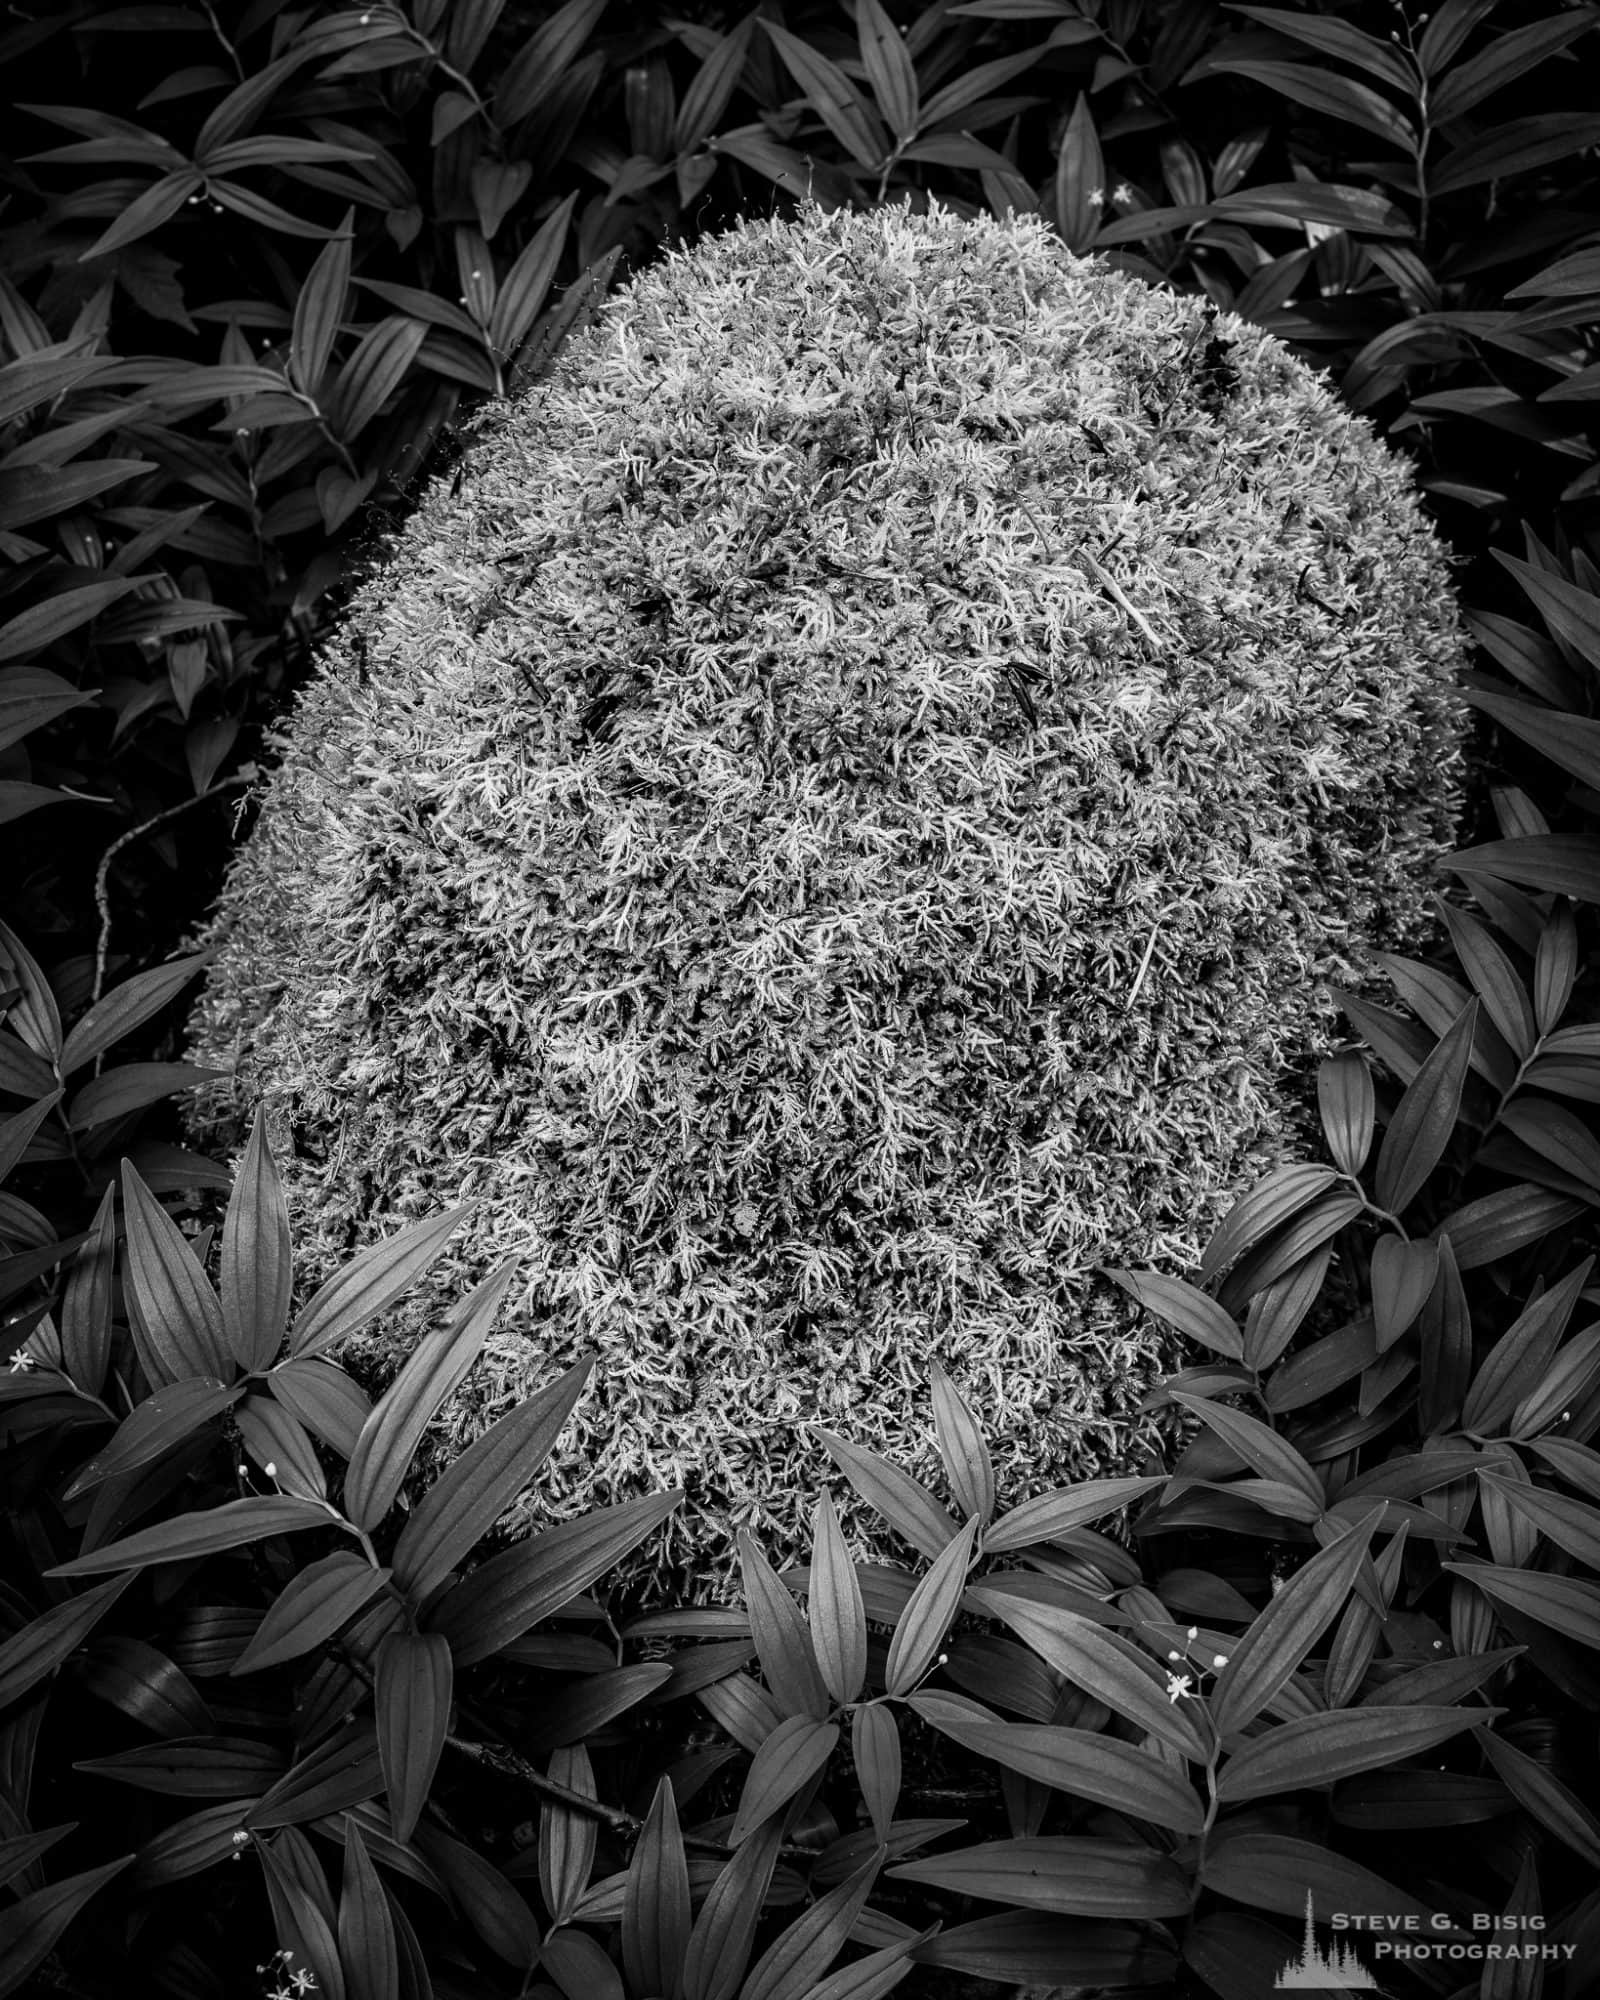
(320, 307)
(1319, 1749)
(1272, 1871)
(875, 1751)
(1278, 1642)
(204, 1533)
(1258, 1445)
(368, 1951)
(792, 1964)
(1570, 1377)
(655, 1902)
(515, 1589)
(411, 1704)
(1070, 1875)
(323, 1397)
(905, 1503)
(257, 1269)
(527, 283)
(282, 1446)
(86, 1301)
(1494, 978)
(834, 1609)
(1544, 1796)
(31, 1926)
(1347, 1103)
(1080, 179)
(1263, 1209)
(42, 1644)
(1499, 1224)
(302, 1913)
(312, 1606)
(150, 1430)
(339, 1773)
(390, 1436)
(783, 1643)
(1565, 864)
(1080, 1762)
(371, 1283)
(1403, 1275)
(1103, 1664)
(1571, 1524)
(1326, 91)
(784, 1765)
(833, 97)
(962, 1449)
(1517, 147)
(1522, 1353)
(1555, 967)
(1186, 1307)
(1563, 1603)
(930, 1613)
(889, 68)
(1052, 1515)
(568, 1837)
(463, 1504)
(178, 1327)
(1426, 1116)
(193, 1767)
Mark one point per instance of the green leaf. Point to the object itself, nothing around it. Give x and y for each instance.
(391, 1434)
(1080, 1762)
(146, 212)
(1020, 1945)
(1326, 91)
(17, 1855)
(930, 1613)
(1051, 1515)
(130, 1087)
(1515, 148)
(30, 1927)
(655, 1905)
(1445, 1338)
(1494, 978)
(1560, 1602)
(465, 1502)
(154, 1427)
(1544, 1796)
(1283, 1635)
(962, 1449)
(1070, 1875)
(312, 1606)
(1320, 1749)
(372, 374)
(790, 1966)
(889, 68)
(568, 1838)
(834, 1609)
(411, 1704)
(783, 1642)
(1080, 179)
(28, 1656)
(1403, 1279)
(1346, 1101)
(833, 97)
(785, 1764)
(527, 283)
(195, 1843)
(16, 1133)
(1555, 968)
(370, 1283)
(1127, 1680)
(1567, 1380)
(178, 1329)
(515, 1589)
(1570, 741)
(1273, 1871)
(1569, 1523)
(204, 1533)
(366, 1936)
(903, 1502)
(724, 1932)
(1425, 1117)
(1193, 1312)
(1499, 1224)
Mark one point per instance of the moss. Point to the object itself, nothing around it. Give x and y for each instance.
(833, 833)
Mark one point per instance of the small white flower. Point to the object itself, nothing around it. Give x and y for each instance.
(1122, 194)
(22, 1361)
(1178, 1685)
(1174, 1654)
(303, 1981)
(1193, 1632)
(242, 1839)
(1096, 198)
(270, 1469)
(1219, 1661)
(244, 1472)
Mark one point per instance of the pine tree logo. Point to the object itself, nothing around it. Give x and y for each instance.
(1319, 1971)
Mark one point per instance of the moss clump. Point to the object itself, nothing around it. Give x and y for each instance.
(833, 833)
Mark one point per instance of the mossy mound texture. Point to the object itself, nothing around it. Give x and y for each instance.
(828, 833)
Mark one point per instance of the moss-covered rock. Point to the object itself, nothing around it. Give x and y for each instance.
(832, 834)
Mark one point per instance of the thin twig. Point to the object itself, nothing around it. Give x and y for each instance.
(102, 876)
